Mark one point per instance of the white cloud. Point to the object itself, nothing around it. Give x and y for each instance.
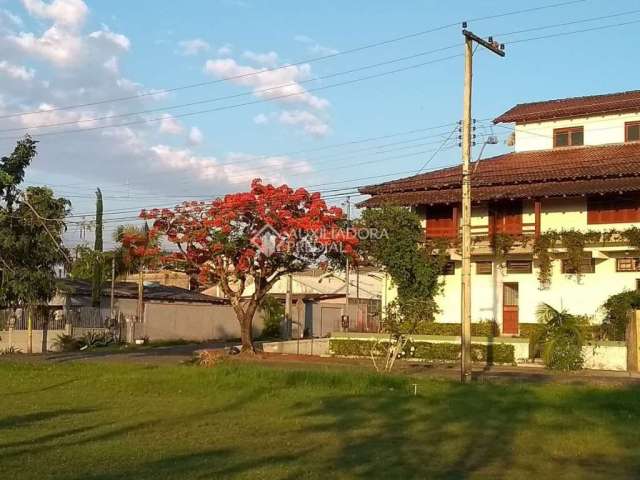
(269, 58)
(112, 65)
(170, 125)
(17, 72)
(85, 68)
(57, 45)
(310, 123)
(269, 84)
(261, 119)
(116, 39)
(235, 169)
(314, 47)
(194, 46)
(225, 50)
(195, 136)
(322, 51)
(70, 13)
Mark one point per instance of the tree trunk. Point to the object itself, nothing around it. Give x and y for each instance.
(245, 314)
(246, 334)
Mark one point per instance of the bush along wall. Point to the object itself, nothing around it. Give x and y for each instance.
(481, 329)
(427, 351)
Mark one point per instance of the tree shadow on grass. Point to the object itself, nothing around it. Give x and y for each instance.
(30, 418)
(208, 464)
(473, 431)
(39, 390)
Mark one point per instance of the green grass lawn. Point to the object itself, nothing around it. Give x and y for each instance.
(107, 421)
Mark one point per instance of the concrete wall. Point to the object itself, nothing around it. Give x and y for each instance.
(584, 295)
(318, 347)
(598, 130)
(18, 339)
(605, 356)
(188, 321)
(597, 355)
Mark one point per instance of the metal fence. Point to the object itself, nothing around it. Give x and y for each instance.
(45, 318)
(42, 318)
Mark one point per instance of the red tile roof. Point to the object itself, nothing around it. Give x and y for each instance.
(572, 107)
(561, 172)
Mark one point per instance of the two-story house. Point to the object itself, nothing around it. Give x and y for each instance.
(575, 167)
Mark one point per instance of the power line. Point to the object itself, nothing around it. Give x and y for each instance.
(228, 97)
(324, 77)
(297, 63)
(244, 104)
(573, 32)
(187, 114)
(565, 24)
(309, 150)
(437, 150)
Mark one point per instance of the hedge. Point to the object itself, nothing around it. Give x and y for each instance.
(482, 329)
(494, 353)
(590, 332)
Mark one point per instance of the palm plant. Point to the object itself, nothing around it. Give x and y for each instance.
(560, 338)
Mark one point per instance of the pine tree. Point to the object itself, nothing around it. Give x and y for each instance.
(98, 264)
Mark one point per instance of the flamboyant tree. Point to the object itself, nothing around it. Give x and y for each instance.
(253, 238)
(140, 251)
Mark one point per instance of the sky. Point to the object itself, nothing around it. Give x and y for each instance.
(157, 102)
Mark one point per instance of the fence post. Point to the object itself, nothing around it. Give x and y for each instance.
(632, 336)
(12, 323)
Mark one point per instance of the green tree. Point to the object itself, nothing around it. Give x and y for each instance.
(273, 312)
(98, 261)
(396, 243)
(31, 229)
(84, 260)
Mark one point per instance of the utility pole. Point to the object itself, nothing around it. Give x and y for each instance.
(345, 317)
(469, 39)
(113, 286)
(288, 307)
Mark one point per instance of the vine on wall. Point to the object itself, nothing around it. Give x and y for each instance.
(575, 242)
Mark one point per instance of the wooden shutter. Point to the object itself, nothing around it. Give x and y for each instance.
(519, 266)
(484, 268)
(506, 218)
(442, 221)
(613, 209)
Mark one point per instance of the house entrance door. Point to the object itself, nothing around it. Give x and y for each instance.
(510, 309)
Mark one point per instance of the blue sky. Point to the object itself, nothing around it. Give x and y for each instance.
(71, 52)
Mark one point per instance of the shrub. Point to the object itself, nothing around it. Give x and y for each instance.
(431, 351)
(589, 332)
(482, 329)
(560, 338)
(617, 308)
(273, 312)
(67, 343)
(96, 339)
(563, 353)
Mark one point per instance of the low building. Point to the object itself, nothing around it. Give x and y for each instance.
(553, 221)
(169, 313)
(319, 300)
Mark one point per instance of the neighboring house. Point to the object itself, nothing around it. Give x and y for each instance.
(576, 166)
(170, 313)
(163, 277)
(318, 299)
